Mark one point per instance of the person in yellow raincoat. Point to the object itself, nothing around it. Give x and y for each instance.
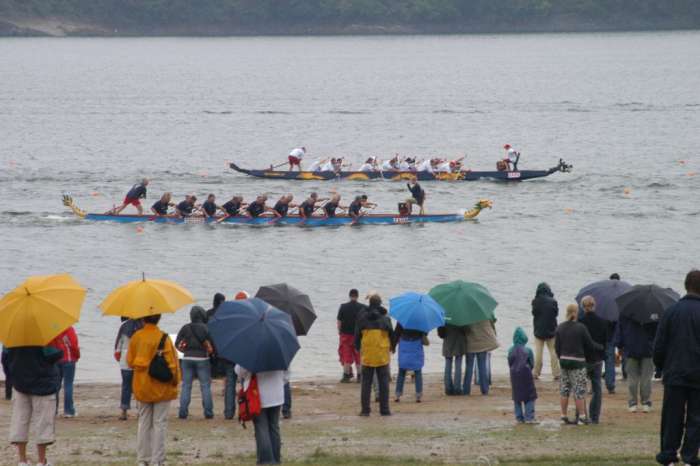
(154, 396)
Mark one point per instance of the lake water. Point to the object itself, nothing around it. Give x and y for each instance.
(92, 116)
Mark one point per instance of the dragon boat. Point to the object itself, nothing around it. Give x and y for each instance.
(464, 175)
(367, 219)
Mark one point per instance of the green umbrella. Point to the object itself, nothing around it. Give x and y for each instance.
(464, 302)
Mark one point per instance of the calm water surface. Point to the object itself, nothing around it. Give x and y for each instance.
(91, 116)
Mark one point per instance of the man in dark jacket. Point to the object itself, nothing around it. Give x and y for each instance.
(637, 342)
(599, 329)
(194, 342)
(346, 322)
(36, 381)
(677, 355)
(544, 321)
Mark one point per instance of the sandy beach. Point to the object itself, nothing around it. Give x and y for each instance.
(326, 429)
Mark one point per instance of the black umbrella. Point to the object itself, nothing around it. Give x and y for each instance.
(646, 303)
(292, 301)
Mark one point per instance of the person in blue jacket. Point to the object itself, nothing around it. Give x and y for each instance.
(677, 356)
(411, 358)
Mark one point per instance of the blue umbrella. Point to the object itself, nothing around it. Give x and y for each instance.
(415, 311)
(605, 292)
(254, 334)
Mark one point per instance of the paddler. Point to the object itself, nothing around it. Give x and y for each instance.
(160, 207)
(512, 157)
(356, 206)
(417, 196)
(133, 197)
(370, 165)
(283, 205)
(295, 157)
(308, 207)
(425, 166)
(258, 207)
(316, 165)
(329, 166)
(209, 208)
(187, 207)
(233, 207)
(330, 207)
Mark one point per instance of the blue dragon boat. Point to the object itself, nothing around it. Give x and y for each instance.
(463, 175)
(339, 220)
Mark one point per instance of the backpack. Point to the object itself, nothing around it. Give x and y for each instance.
(249, 402)
(159, 369)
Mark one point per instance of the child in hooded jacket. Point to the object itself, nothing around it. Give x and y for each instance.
(521, 362)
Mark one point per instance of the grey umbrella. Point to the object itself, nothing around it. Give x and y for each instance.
(292, 301)
(605, 292)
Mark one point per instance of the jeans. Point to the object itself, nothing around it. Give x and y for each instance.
(230, 390)
(452, 386)
(524, 411)
(539, 352)
(127, 379)
(67, 374)
(383, 383)
(484, 374)
(681, 412)
(594, 372)
(610, 366)
(639, 373)
(8, 381)
(402, 378)
(202, 369)
(287, 406)
(268, 444)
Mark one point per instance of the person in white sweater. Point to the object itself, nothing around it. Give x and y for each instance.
(268, 443)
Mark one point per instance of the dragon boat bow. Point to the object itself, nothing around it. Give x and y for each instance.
(367, 219)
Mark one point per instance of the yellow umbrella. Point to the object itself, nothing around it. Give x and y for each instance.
(142, 298)
(40, 309)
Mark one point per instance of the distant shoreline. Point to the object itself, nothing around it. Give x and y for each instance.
(62, 27)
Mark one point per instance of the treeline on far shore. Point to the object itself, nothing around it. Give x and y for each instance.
(348, 16)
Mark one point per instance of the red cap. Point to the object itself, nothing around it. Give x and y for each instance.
(241, 295)
(507, 146)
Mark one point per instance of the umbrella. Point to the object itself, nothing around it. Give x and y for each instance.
(142, 298)
(292, 301)
(254, 334)
(605, 292)
(464, 302)
(646, 303)
(417, 311)
(40, 309)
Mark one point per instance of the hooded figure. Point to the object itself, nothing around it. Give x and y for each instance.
(520, 360)
(193, 339)
(544, 312)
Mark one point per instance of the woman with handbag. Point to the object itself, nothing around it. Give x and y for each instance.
(156, 377)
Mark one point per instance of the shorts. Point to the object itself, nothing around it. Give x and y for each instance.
(33, 409)
(294, 161)
(574, 380)
(347, 351)
(133, 201)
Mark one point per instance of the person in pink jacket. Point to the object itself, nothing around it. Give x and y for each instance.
(68, 343)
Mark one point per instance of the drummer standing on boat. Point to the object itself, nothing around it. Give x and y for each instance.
(512, 157)
(295, 157)
(133, 197)
(417, 196)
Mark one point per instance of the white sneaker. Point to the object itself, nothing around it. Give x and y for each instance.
(632, 409)
(48, 463)
(646, 408)
(22, 464)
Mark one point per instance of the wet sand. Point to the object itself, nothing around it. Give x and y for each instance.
(325, 429)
